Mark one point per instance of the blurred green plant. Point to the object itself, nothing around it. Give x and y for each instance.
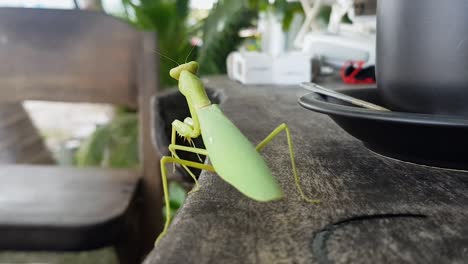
(169, 19)
(177, 195)
(115, 145)
(283, 8)
(221, 28)
(288, 9)
(112, 145)
(221, 33)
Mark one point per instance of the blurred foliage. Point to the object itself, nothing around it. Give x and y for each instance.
(112, 145)
(177, 195)
(221, 28)
(115, 145)
(221, 33)
(169, 19)
(288, 10)
(283, 8)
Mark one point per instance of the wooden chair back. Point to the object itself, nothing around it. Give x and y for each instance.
(85, 56)
(67, 55)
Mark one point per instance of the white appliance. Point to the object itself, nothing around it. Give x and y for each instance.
(336, 49)
(340, 42)
(250, 67)
(274, 65)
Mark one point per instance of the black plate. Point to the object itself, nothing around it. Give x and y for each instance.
(433, 140)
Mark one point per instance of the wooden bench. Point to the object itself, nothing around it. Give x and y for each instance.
(373, 209)
(79, 56)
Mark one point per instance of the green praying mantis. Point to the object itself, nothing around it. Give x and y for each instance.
(231, 154)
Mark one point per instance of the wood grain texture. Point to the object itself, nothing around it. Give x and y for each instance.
(373, 209)
(66, 55)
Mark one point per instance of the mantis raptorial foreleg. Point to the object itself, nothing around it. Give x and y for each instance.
(164, 161)
(173, 147)
(269, 138)
(189, 149)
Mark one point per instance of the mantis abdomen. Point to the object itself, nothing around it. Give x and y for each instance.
(234, 158)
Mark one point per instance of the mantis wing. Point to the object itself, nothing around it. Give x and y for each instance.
(234, 158)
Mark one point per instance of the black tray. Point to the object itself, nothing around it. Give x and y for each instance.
(433, 140)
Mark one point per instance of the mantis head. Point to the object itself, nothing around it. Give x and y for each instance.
(190, 85)
(191, 67)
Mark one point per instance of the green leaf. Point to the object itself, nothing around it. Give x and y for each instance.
(168, 18)
(112, 145)
(92, 150)
(291, 9)
(221, 34)
(177, 195)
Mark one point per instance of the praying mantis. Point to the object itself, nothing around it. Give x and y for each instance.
(231, 154)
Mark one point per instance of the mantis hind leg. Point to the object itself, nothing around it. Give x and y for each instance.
(164, 161)
(268, 139)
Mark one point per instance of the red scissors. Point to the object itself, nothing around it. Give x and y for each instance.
(353, 72)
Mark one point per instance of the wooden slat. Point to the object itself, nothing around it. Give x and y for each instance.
(66, 55)
(50, 195)
(151, 189)
(56, 208)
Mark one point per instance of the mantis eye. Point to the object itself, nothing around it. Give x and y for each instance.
(191, 67)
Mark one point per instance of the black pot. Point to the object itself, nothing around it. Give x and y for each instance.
(422, 55)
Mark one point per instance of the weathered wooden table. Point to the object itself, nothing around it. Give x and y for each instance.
(373, 209)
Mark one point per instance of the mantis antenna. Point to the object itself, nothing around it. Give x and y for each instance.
(160, 54)
(193, 47)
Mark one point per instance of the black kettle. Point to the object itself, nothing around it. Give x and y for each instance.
(422, 55)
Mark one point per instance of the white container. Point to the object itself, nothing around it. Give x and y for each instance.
(251, 67)
(337, 49)
(292, 68)
(262, 68)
